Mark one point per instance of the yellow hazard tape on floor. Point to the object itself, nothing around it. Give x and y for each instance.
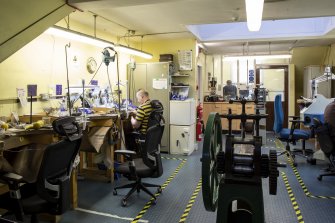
(292, 198)
(280, 145)
(149, 203)
(173, 158)
(191, 202)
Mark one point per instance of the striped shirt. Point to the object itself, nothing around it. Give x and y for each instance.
(142, 115)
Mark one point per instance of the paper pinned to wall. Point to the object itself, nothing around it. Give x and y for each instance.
(159, 83)
(185, 59)
(21, 94)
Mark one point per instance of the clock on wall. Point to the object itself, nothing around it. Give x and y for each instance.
(91, 65)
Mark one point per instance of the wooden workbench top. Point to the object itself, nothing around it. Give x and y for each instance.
(104, 116)
(23, 132)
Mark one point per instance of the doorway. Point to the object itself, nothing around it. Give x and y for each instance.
(275, 79)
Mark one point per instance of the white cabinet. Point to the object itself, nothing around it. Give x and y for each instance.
(182, 128)
(182, 112)
(182, 139)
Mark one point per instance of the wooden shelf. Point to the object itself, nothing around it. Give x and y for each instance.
(180, 75)
(180, 86)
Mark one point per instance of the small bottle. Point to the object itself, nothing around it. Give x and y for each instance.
(62, 108)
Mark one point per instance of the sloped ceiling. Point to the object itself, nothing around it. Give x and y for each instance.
(22, 21)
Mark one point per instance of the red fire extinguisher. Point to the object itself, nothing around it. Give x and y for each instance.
(199, 122)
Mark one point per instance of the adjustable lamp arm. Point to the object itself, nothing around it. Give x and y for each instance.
(107, 58)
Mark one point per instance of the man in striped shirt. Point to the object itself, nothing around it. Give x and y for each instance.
(140, 121)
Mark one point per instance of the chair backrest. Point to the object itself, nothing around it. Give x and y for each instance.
(55, 170)
(156, 115)
(323, 132)
(279, 114)
(150, 149)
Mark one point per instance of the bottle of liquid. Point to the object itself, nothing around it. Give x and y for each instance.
(62, 108)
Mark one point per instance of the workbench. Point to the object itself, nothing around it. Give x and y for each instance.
(99, 138)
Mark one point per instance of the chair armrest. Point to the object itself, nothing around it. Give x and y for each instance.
(296, 121)
(129, 154)
(12, 177)
(294, 117)
(295, 124)
(13, 180)
(135, 133)
(125, 152)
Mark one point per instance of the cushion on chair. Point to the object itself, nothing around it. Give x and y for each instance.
(35, 204)
(297, 134)
(141, 169)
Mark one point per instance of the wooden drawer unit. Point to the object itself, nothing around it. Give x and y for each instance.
(223, 108)
(211, 107)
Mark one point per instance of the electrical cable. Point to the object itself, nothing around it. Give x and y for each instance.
(110, 86)
(95, 73)
(118, 81)
(106, 60)
(67, 78)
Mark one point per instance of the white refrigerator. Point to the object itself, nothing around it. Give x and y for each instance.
(182, 126)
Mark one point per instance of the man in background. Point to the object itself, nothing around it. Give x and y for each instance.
(230, 90)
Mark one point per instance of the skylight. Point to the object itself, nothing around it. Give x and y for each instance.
(303, 27)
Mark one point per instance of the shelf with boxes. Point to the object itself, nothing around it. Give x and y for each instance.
(179, 86)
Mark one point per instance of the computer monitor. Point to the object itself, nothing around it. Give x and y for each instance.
(244, 93)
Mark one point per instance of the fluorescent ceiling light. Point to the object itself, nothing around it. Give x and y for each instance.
(254, 10)
(257, 57)
(132, 51)
(83, 38)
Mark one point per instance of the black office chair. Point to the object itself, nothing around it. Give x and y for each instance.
(155, 118)
(327, 145)
(291, 135)
(149, 163)
(50, 193)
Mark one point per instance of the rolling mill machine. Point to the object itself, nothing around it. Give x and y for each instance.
(232, 181)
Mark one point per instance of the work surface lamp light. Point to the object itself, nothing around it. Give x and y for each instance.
(80, 37)
(257, 57)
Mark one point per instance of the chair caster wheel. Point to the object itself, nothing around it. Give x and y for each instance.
(311, 161)
(114, 192)
(159, 190)
(124, 202)
(319, 178)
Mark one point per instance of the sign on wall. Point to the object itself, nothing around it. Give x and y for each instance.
(251, 76)
(185, 59)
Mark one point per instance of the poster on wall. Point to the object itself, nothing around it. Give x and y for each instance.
(21, 94)
(185, 59)
(160, 83)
